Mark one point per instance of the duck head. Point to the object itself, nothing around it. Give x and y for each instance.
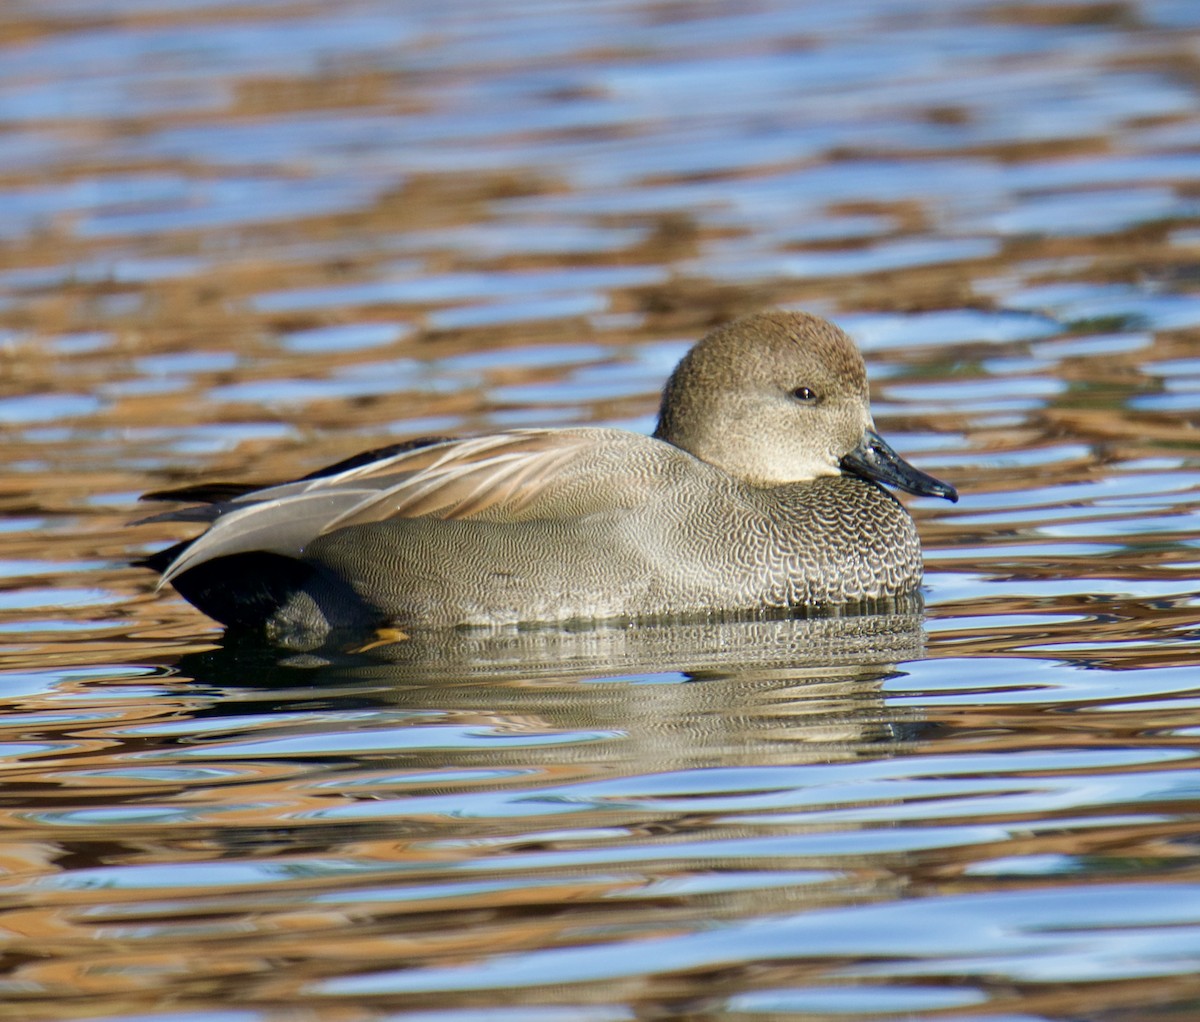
(782, 397)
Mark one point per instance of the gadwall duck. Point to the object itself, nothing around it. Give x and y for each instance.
(759, 489)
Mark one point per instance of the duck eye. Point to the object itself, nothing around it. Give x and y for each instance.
(804, 394)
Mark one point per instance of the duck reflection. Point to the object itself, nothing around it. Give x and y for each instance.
(662, 696)
(459, 795)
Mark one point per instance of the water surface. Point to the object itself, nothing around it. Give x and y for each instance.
(240, 239)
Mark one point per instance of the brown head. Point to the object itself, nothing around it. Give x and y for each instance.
(780, 397)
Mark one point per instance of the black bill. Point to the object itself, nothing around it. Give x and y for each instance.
(874, 459)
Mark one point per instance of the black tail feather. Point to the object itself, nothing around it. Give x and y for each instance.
(249, 592)
(161, 560)
(217, 493)
(242, 590)
(204, 493)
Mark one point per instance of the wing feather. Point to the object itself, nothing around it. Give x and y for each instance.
(528, 473)
(514, 476)
(278, 526)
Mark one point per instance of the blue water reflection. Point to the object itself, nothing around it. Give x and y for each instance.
(243, 238)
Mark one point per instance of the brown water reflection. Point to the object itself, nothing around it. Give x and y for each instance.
(241, 239)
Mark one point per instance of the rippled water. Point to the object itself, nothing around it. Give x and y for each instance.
(240, 239)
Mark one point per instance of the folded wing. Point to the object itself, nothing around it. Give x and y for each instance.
(515, 476)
